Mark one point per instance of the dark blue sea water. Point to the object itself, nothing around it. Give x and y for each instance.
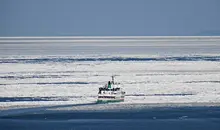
(156, 118)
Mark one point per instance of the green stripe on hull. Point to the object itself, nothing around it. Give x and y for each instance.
(108, 101)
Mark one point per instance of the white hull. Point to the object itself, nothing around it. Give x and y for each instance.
(111, 97)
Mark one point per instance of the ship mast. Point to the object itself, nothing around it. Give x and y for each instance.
(113, 79)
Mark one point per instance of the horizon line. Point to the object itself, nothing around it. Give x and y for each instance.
(57, 37)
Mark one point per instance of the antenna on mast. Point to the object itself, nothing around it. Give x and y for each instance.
(113, 79)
